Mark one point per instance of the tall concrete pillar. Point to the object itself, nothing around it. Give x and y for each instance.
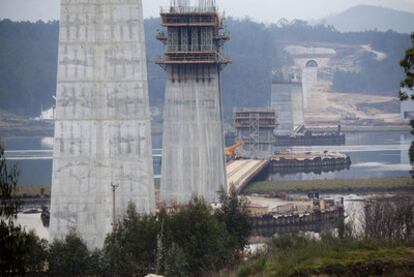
(193, 144)
(287, 100)
(309, 81)
(102, 124)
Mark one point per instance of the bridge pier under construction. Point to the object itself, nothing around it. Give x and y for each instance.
(193, 158)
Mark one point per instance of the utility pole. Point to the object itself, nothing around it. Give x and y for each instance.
(114, 187)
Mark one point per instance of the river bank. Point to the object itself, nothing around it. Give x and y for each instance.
(389, 184)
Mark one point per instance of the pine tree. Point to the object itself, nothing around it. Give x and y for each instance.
(175, 262)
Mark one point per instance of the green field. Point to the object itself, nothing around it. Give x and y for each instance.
(333, 186)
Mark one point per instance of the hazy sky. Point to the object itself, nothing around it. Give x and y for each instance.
(259, 10)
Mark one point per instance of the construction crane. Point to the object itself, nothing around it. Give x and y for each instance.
(231, 151)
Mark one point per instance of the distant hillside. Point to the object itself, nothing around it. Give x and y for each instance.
(365, 18)
(28, 59)
(28, 65)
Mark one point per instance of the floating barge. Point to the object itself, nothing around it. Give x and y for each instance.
(311, 136)
(308, 160)
(310, 140)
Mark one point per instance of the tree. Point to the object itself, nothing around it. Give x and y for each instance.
(132, 247)
(175, 262)
(407, 63)
(9, 204)
(72, 257)
(235, 215)
(20, 252)
(203, 239)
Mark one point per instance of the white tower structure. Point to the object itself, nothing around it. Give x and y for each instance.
(309, 81)
(102, 124)
(193, 145)
(287, 100)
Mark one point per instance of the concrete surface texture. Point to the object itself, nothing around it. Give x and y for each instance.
(287, 100)
(193, 144)
(102, 124)
(239, 172)
(309, 83)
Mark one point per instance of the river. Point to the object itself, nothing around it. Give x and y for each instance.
(373, 155)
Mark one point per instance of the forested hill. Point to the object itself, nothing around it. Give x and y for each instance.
(28, 65)
(28, 58)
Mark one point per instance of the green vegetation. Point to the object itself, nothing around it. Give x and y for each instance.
(234, 214)
(202, 237)
(189, 240)
(132, 246)
(333, 186)
(294, 255)
(407, 63)
(71, 256)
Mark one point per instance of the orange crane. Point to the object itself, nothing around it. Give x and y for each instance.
(231, 151)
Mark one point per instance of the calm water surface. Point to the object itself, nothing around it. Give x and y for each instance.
(373, 155)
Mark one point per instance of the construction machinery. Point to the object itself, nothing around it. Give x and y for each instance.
(231, 150)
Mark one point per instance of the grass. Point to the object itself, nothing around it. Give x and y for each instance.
(326, 186)
(333, 186)
(292, 255)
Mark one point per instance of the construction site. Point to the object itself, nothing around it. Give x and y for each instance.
(192, 159)
(103, 127)
(262, 140)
